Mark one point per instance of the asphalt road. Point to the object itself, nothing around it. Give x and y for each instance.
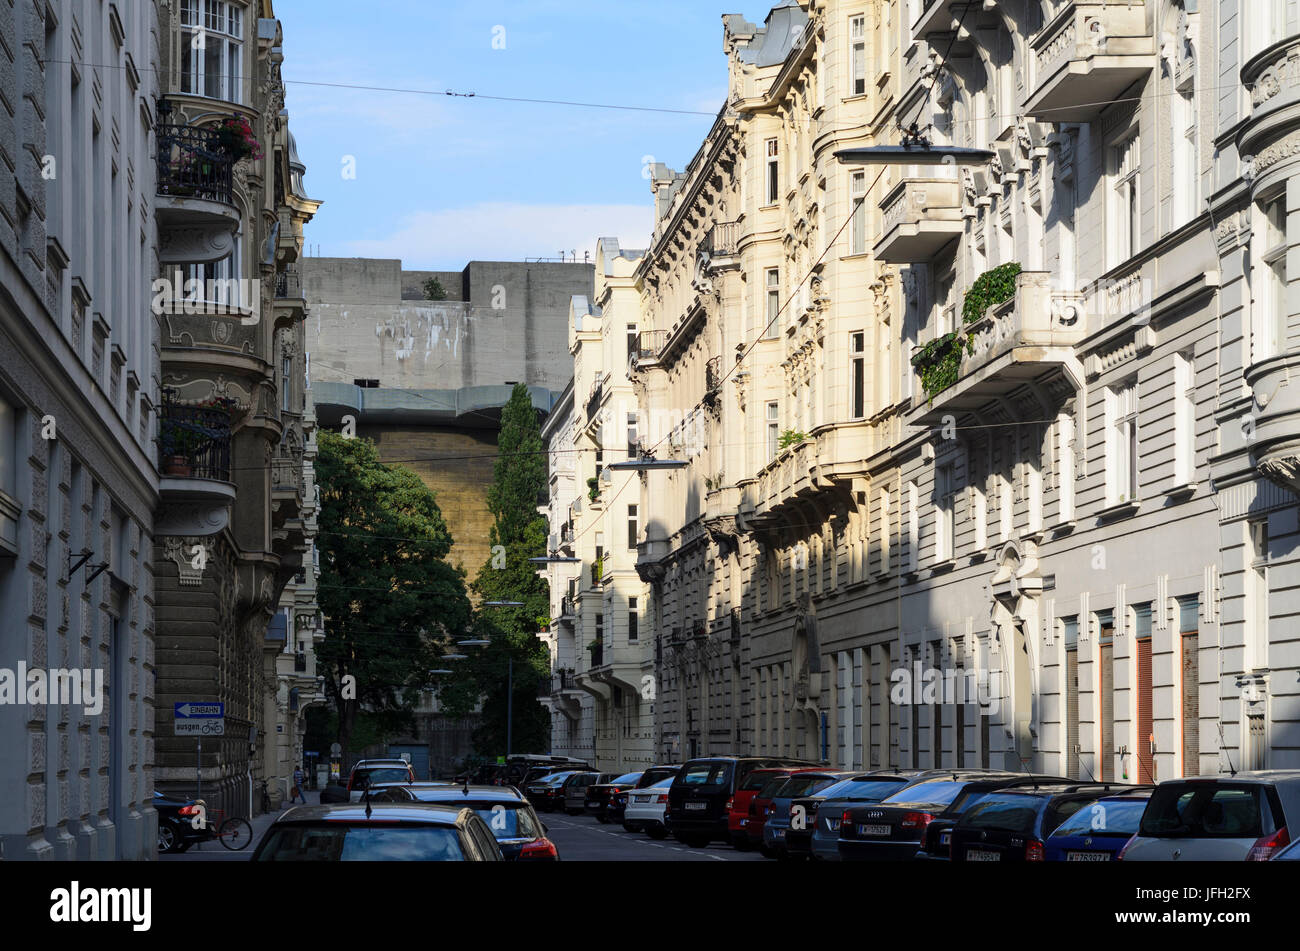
(583, 839)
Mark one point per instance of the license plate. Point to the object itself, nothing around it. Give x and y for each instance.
(982, 855)
(832, 825)
(695, 805)
(874, 830)
(1087, 856)
(640, 798)
(778, 833)
(592, 802)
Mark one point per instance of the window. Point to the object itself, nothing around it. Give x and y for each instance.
(1145, 739)
(216, 282)
(945, 502)
(1070, 639)
(858, 209)
(883, 36)
(285, 377)
(1065, 467)
(212, 49)
(773, 172)
(1106, 693)
(1184, 420)
(1122, 448)
(600, 629)
(1270, 280)
(1188, 628)
(1257, 608)
(633, 619)
(631, 341)
(1185, 178)
(858, 56)
(857, 374)
(773, 283)
(773, 430)
(885, 531)
(1065, 205)
(1125, 201)
(631, 436)
(632, 531)
(913, 528)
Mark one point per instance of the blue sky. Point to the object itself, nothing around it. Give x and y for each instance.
(440, 180)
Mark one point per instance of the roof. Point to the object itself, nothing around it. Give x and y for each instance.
(773, 41)
(453, 795)
(379, 811)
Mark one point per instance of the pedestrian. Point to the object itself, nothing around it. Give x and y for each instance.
(297, 787)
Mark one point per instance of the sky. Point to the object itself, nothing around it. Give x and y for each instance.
(437, 180)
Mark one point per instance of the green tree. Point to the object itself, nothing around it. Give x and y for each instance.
(391, 602)
(518, 533)
(433, 290)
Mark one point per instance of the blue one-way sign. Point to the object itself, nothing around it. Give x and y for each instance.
(192, 710)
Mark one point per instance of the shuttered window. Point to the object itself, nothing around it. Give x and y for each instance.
(1071, 638)
(1145, 739)
(1191, 686)
(1106, 695)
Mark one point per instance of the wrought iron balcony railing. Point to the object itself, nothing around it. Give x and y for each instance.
(193, 162)
(194, 441)
(288, 283)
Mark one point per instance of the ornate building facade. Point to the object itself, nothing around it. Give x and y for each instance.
(232, 532)
(1023, 426)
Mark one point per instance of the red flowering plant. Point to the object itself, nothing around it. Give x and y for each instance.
(238, 138)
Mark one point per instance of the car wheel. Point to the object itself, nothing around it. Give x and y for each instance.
(631, 826)
(767, 853)
(603, 820)
(167, 837)
(183, 846)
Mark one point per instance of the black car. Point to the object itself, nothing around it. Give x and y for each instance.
(519, 833)
(938, 833)
(599, 794)
(700, 795)
(892, 829)
(1012, 825)
(176, 827)
(378, 831)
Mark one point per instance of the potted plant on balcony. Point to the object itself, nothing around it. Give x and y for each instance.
(593, 489)
(181, 441)
(791, 437)
(236, 137)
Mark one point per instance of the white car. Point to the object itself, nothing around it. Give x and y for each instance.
(645, 809)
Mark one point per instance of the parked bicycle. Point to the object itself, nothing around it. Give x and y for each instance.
(234, 832)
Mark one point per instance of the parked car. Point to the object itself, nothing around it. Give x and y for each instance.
(367, 772)
(576, 787)
(1247, 816)
(1289, 854)
(698, 797)
(760, 810)
(892, 829)
(383, 831)
(936, 842)
(547, 794)
(1013, 824)
(598, 795)
(655, 773)
(176, 831)
(520, 835)
(1098, 831)
(334, 792)
(824, 822)
(780, 827)
(738, 806)
(645, 809)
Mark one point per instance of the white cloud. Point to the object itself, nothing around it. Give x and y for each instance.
(509, 231)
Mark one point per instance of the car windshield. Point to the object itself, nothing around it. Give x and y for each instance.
(1010, 814)
(1209, 810)
(627, 778)
(1118, 817)
(869, 790)
(937, 793)
(385, 774)
(663, 783)
(556, 779)
(508, 822)
(804, 786)
(772, 787)
(340, 842)
(706, 774)
(756, 780)
(652, 777)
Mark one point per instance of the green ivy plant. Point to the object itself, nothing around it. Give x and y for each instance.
(791, 437)
(991, 287)
(593, 488)
(939, 361)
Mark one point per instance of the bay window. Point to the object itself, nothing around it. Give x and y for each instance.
(212, 49)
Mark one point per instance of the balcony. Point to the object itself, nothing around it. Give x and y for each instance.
(196, 203)
(723, 239)
(1085, 57)
(649, 344)
(194, 459)
(1273, 79)
(938, 16)
(712, 375)
(288, 283)
(1022, 340)
(1276, 445)
(595, 397)
(920, 216)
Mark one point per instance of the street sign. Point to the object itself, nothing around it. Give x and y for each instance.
(196, 718)
(195, 710)
(201, 728)
(336, 749)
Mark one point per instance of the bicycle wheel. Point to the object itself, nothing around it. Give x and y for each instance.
(235, 833)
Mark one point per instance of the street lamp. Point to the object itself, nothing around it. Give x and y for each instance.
(915, 150)
(510, 670)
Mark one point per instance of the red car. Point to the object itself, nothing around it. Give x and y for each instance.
(738, 814)
(760, 807)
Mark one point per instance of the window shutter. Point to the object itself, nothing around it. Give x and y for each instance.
(1144, 755)
(1191, 705)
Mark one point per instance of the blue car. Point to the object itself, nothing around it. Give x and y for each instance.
(1098, 831)
(798, 786)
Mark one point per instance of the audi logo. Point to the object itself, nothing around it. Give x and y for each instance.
(876, 814)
